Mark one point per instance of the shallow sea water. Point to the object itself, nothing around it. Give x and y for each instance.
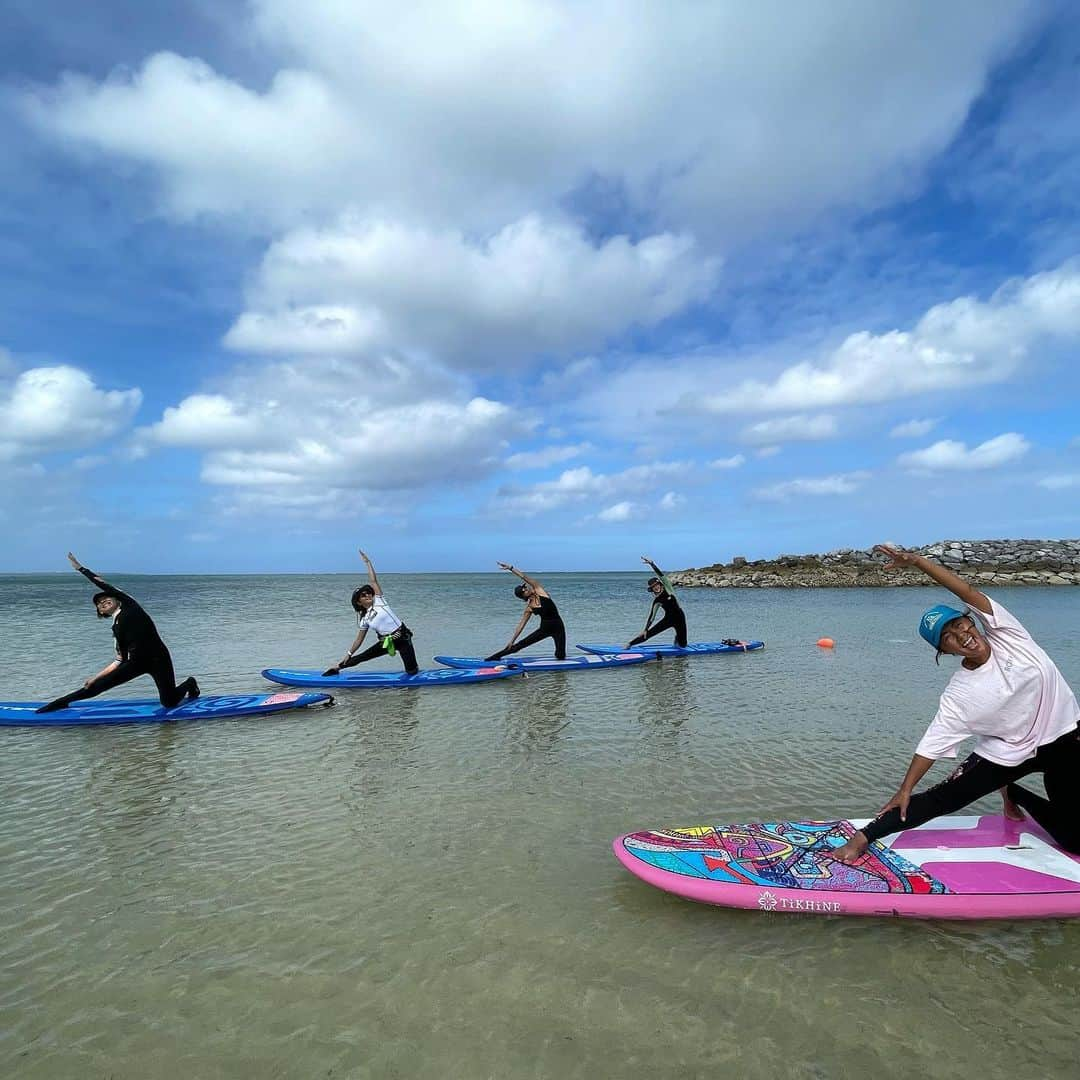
(419, 883)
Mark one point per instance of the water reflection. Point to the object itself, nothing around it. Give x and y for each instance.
(668, 701)
(377, 746)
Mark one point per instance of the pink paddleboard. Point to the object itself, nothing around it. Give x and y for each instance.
(950, 868)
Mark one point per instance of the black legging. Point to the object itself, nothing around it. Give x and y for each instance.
(403, 646)
(158, 666)
(552, 628)
(1058, 814)
(668, 622)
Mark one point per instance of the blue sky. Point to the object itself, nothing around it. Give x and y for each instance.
(535, 282)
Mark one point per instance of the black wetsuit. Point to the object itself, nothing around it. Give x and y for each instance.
(140, 650)
(551, 626)
(1058, 814)
(674, 619)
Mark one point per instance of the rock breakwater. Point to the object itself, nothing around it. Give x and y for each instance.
(983, 562)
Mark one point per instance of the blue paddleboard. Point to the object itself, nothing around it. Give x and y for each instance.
(104, 711)
(350, 679)
(550, 663)
(695, 648)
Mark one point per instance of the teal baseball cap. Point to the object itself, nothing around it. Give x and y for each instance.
(933, 622)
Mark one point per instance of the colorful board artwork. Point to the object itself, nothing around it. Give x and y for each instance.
(784, 854)
(954, 867)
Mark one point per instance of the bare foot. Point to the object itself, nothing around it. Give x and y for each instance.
(853, 850)
(1009, 808)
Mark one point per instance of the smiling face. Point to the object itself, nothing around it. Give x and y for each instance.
(362, 599)
(961, 637)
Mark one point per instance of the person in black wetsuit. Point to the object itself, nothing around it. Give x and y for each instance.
(139, 650)
(537, 602)
(663, 598)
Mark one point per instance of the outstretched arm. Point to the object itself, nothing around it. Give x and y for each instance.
(101, 583)
(652, 615)
(853, 850)
(953, 582)
(531, 582)
(657, 571)
(526, 615)
(344, 661)
(372, 577)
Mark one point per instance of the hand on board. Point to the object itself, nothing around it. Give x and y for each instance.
(900, 801)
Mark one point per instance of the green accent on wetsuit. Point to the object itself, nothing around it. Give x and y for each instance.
(388, 645)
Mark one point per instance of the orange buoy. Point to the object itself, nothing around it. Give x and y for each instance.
(826, 642)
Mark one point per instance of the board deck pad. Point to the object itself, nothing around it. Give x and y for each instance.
(551, 663)
(695, 648)
(952, 867)
(150, 710)
(373, 680)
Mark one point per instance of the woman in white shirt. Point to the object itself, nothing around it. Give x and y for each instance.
(1010, 695)
(374, 613)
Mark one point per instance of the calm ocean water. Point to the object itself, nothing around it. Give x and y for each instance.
(420, 884)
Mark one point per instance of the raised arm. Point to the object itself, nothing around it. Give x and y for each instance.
(101, 583)
(961, 589)
(657, 571)
(372, 576)
(531, 582)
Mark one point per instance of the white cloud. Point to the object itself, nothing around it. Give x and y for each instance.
(214, 421)
(672, 500)
(533, 287)
(621, 511)
(951, 455)
(90, 461)
(732, 462)
(914, 429)
(325, 425)
(954, 346)
(59, 408)
(1060, 482)
(575, 486)
(725, 117)
(546, 456)
(837, 484)
(787, 429)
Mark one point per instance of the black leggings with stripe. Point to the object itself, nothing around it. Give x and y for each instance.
(1058, 813)
(403, 646)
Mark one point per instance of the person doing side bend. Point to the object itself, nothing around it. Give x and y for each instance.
(139, 650)
(1010, 695)
(537, 602)
(664, 599)
(373, 613)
